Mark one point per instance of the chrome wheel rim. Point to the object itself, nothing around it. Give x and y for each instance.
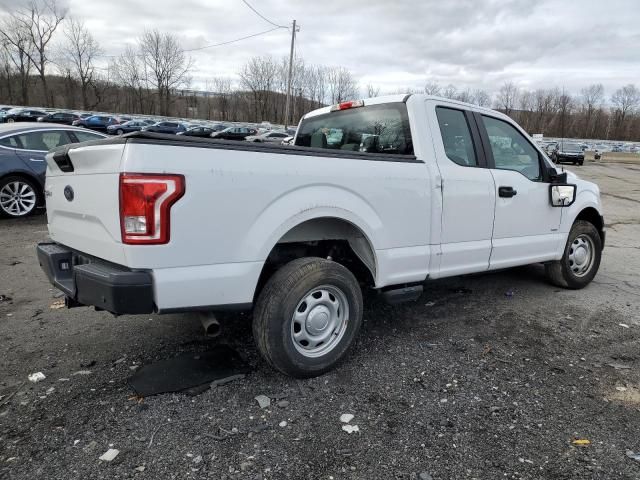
(319, 321)
(581, 255)
(17, 198)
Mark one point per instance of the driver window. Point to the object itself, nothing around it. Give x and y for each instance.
(511, 150)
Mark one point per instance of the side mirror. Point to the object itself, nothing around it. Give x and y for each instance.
(562, 195)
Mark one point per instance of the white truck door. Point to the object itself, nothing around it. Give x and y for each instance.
(526, 226)
(468, 192)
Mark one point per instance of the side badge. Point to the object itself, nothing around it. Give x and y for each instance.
(68, 193)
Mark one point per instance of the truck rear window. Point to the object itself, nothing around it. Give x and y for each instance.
(380, 128)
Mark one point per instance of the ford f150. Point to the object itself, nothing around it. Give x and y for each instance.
(385, 193)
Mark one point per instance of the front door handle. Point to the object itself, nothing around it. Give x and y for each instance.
(506, 192)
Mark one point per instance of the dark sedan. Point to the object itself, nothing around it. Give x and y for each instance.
(96, 122)
(126, 127)
(568, 152)
(63, 118)
(234, 133)
(165, 127)
(22, 163)
(198, 131)
(22, 115)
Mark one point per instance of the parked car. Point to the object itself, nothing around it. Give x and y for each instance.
(126, 127)
(22, 115)
(96, 122)
(568, 152)
(200, 131)
(64, 118)
(22, 162)
(219, 127)
(234, 133)
(165, 127)
(268, 137)
(295, 233)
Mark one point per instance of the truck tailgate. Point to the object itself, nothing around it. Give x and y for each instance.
(81, 193)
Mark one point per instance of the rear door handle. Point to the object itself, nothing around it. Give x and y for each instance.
(506, 192)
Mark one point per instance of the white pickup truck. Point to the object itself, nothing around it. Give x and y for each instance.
(385, 193)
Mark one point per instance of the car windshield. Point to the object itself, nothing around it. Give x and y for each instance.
(15, 110)
(571, 147)
(376, 129)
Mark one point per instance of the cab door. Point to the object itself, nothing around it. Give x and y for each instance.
(525, 228)
(467, 189)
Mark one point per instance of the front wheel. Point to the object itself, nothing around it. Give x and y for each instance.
(119, 131)
(307, 316)
(581, 258)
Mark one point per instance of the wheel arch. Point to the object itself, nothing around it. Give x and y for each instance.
(591, 215)
(328, 237)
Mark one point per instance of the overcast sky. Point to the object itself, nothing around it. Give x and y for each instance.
(398, 43)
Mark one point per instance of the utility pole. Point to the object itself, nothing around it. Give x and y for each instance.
(288, 100)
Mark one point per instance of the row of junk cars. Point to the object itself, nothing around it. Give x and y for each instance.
(28, 134)
(572, 151)
(121, 124)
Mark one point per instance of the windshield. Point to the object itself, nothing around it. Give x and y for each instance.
(375, 129)
(571, 147)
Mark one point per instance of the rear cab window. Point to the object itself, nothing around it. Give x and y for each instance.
(382, 128)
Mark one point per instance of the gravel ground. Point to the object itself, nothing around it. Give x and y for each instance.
(488, 376)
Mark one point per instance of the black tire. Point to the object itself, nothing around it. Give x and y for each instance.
(581, 162)
(34, 187)
(119, 131)
(561, 274)
(277, 303)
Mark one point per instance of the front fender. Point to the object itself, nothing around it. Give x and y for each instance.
(584, 199)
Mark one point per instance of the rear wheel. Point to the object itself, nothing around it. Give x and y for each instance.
(119, 131)
(581, 258)
(307, 316)
(18, 197)
(10, 120)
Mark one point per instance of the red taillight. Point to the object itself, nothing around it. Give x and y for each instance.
(347, 105)
(145, 201)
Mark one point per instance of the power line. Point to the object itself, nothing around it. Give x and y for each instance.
(233, 41)
(261, 16)
(213, 44)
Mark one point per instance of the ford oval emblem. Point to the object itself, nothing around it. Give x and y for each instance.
(68, 193)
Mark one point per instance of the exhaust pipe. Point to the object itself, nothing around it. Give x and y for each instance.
(210, 324)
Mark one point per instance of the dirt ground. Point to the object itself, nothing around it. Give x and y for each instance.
(489, 376)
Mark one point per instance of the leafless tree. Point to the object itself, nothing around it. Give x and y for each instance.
(166, 63)
(223, 89)
(450, 91)
(507, 97)
(80, 50)
(372, 91)
(625, 99)
(432, 88)
(40, 20)
(481, 98)
(341, 84)
(464, 96)
(129, 71)
(259, 76)
(591, 98)
(18, 47)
